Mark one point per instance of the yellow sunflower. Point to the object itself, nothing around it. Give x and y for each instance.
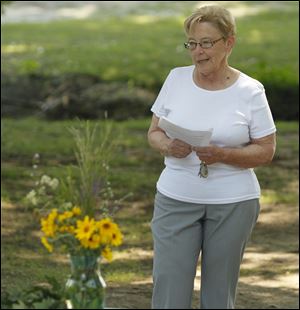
(76, 211)
(106, 229)
(93, 242)
(85, 228)
(53, 215)
(48, 227)
(107, 253)
(117, 237)
(46, 244)
(67, 229)
(65, 215)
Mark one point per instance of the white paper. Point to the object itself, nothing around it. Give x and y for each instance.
(192, 137)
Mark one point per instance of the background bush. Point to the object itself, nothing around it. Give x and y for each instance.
(135, 50)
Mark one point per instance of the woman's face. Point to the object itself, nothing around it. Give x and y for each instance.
(209, 60)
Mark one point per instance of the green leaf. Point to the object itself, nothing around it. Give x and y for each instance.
(19, 305)
(45, 304)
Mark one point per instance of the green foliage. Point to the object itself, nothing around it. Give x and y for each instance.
(85, 184)
(117, 100)
(47, 296)
(265, 52)
(135, 168)
(93, 152)
(142, 52)
(71, 96)
(138, 51)
(132, 159)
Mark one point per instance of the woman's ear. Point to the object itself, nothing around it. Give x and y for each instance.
(230, 42)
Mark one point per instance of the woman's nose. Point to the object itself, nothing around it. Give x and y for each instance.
(198, 48)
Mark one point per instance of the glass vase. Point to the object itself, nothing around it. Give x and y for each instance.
(85, 287)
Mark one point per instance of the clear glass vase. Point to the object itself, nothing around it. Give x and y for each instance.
(85, 287)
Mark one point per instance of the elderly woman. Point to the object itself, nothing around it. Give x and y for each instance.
(211, 211)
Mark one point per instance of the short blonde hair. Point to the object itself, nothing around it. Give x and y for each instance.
(214, 14)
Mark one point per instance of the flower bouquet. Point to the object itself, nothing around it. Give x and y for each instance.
(86, 240)
(75, 215)
(77, 234)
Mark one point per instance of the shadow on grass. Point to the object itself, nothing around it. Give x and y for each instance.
(138, 296)
(251, 296)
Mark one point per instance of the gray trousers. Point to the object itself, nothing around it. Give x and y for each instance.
(182, 230)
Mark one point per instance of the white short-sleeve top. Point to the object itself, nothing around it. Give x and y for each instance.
(236, 114)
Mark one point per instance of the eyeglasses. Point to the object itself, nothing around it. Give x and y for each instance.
(205, 43)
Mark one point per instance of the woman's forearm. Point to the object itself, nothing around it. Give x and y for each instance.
(257, 153)
(250, 156)
(159, 141)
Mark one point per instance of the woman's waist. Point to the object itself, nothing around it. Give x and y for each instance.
(220, 185)
(216, 169)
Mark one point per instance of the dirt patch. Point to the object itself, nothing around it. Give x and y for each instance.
(269, 273)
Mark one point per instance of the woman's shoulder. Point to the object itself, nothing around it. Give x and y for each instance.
(248, 87)
(184, 69)
(181, 71)
(249, 82)
(179, 74)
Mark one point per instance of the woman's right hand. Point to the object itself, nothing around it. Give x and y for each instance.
(177, 148)
(168, 147)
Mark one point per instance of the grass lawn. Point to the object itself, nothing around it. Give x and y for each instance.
(140, 48)
(269, 272)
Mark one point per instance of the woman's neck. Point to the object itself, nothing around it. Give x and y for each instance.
(217, 80)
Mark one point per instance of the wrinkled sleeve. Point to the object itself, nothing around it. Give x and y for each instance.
(261, 123)
(159, 106)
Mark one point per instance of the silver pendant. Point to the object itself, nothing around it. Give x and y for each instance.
(203, 171)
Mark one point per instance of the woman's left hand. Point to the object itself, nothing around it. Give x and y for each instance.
(209, 154)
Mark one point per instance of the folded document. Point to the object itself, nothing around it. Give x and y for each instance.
(192, 137)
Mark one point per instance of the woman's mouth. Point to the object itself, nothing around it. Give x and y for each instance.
(202, 61)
